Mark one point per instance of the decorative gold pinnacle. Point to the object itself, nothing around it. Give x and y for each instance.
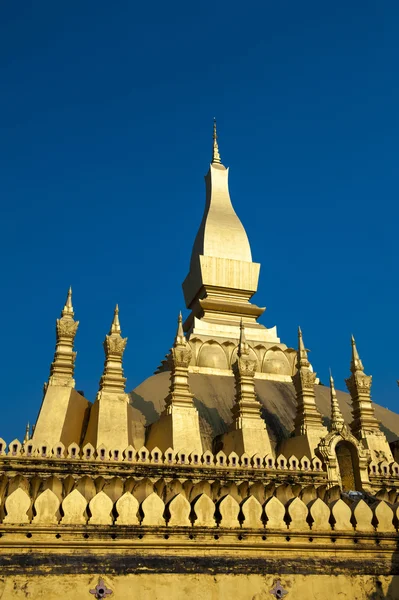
(27, 433)
(356, 363)
(112, 379)
(246, 406)
(115, 326)
(359, 387)
(302, 354)
(337, 420)
(243, 348)
(307, 416)
(215, 155)
(179, 390)
(68, 308)
(62, 368)
(180, 339)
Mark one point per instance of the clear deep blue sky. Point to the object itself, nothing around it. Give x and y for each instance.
(106, 121)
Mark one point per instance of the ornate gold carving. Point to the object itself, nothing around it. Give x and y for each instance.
(112, 379)
(181, 357)
(246, 367)
(62, 367)
(66, 328)
(115, 345)
(307, 415)
(359, 383)
(179, 391)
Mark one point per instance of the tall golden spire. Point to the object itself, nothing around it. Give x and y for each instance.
(337, 420)
(62, 368)
(307, 416)
(359, 387)
(215, 155)
(247, 432)
(111, 416)
(112, 379)
(178, 426)
(179, 391)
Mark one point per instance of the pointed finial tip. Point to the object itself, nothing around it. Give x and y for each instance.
(216, 153)
(68, 309)
(116, 308)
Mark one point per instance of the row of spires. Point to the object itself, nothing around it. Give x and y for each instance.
(246, 406)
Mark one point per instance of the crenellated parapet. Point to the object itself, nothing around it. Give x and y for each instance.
(72, 499)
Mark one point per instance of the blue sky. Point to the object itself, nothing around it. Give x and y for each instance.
(106, 121)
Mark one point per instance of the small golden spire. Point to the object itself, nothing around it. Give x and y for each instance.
(307, 416)
(62, 367)
(302, 352)
(215, 156)
(68, 308)
(179, 389)
(112, 379)
(115, 326)
(356, 363)
(243, 347)
(27, 433)
(180, 338)
(337, 420)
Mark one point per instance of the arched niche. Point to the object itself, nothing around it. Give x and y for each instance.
(276, 362)
(212, 355)
(348, 466)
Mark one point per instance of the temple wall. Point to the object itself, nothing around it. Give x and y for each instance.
(183, 587)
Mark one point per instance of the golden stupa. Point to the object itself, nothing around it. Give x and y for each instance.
(230, 471)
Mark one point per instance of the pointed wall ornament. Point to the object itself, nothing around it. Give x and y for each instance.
(307, 416)
(359, 386)
(63, 410)
(309, 428)
(179, 391)
(111, 410)
(365, 427)
(112, 379)
(27, 433)
(62, 368)
(178, 426)
(337, 420)
(248, 433)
